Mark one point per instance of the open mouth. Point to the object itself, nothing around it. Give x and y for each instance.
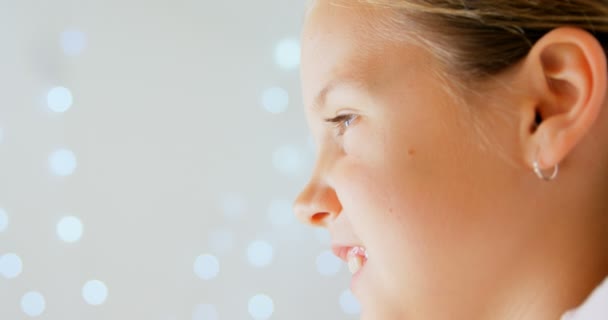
(356, 259)
(353, 255)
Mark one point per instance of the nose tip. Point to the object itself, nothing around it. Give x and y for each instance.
(317, 205)
(310, 216)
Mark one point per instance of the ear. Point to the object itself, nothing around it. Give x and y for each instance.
(565, 74)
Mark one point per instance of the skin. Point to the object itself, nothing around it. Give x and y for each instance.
(453, 229)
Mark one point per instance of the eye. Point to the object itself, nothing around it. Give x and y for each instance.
(342, 122)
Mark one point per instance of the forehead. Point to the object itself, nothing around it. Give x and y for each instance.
(338, 41)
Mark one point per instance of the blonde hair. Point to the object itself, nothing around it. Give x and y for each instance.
(477, 38)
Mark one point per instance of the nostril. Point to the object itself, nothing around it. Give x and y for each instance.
(318, 218)
(317, 204)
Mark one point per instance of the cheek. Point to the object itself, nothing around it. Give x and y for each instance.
(383, 177)
(391, 212)
(384, 190)
(396, 203)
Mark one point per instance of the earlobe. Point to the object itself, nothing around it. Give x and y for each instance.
(568, 70)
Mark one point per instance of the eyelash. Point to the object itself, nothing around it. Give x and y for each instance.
(342, 122)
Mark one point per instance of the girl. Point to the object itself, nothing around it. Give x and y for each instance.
(462, 154)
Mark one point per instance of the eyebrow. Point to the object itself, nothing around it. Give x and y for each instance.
(321, 98)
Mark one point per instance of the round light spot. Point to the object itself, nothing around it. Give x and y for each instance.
(233, 205)
(59, 99)
(69, 229)
(260, 253)
(221, 240)
(205, 312)
(206, 266)
(95, 292)
(261, 307)
(288, 160)
(328, 264)
(275, 100)
(349, 303)
(73, 42)
(3, 220)
(287, 53)
(62, 162)
(33, 303)
(10, 265)
(280, 212)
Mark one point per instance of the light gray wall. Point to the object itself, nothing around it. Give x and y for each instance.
(184, 164)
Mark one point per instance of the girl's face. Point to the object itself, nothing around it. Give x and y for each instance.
(401, 171)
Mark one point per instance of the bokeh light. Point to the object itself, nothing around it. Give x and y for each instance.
(59, 99)
(288, 159)
(261, 307)
(275, 100)
(349, 303)
(69, 229)
(287, 53)
(33, 303)
(62, 162)
(11, 265)
(95, 292)
(73, 42)
(206, 266)
(260, 253)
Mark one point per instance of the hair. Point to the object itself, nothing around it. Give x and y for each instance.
(479, 38)
(474, 40)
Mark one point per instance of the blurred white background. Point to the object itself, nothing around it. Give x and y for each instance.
(149, 155)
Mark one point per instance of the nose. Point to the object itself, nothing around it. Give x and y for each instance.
(317, 204)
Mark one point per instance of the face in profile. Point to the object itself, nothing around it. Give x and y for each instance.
(413, 201)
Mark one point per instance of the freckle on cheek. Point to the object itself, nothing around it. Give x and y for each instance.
(411, 152)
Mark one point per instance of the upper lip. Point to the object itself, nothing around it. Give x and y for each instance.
(341, 250)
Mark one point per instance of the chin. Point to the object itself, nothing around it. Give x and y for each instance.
(378, 309)
(366, 315)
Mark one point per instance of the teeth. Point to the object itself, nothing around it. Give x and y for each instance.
(355, 263)
(356, 258)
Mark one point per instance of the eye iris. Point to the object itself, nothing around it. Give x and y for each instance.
(348, 121)
(342, 122)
